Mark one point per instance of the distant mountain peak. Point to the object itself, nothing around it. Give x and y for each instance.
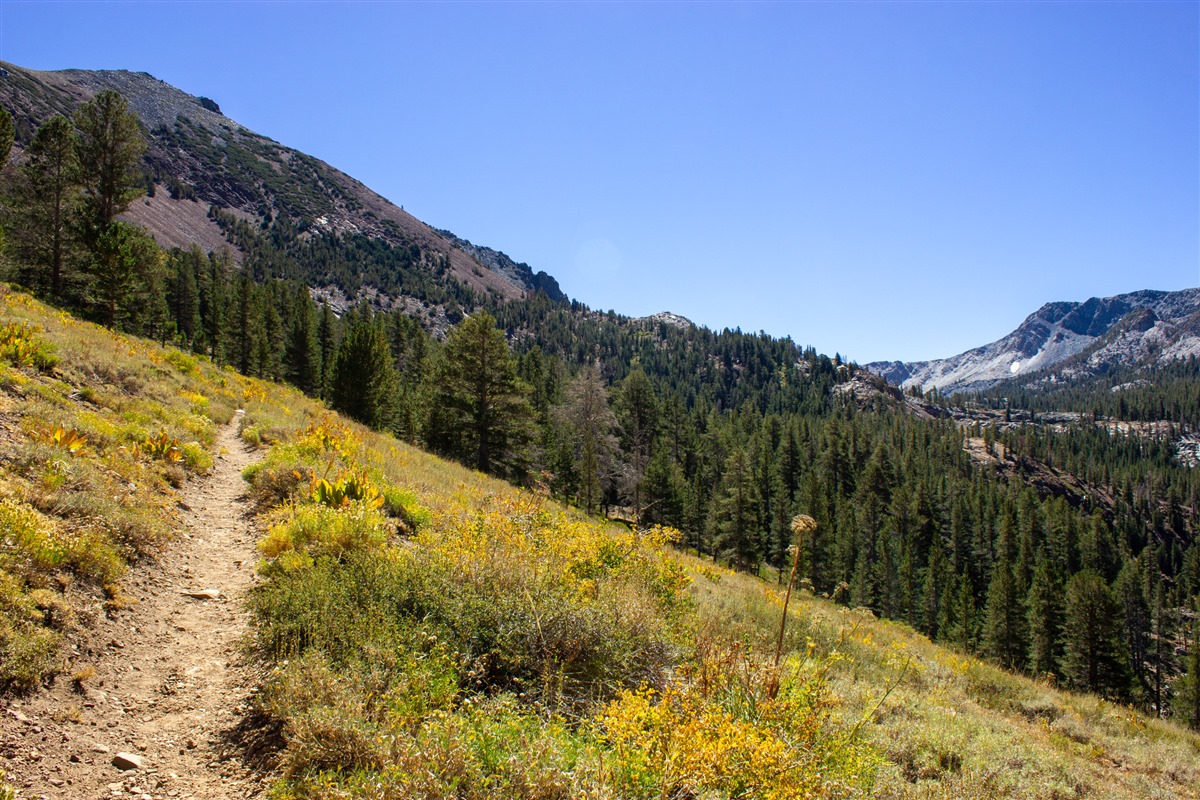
(1125, 329)
(669, 318)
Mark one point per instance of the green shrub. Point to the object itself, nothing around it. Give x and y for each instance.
(272, 486)
(180, 360)
(195, 457)
(402, 505)
(328, 531)
(28, 651)
(20, 347)
(509, 632)
(350, 735)
(30, 542)
(251, 436)
(34, 545)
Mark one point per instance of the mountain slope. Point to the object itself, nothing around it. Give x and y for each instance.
(1124, 330)
(198, 158)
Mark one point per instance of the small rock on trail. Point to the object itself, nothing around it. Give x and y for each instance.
(128, 761)
(203, 594)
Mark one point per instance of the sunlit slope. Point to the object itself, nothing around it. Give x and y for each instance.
(97, 432)
(951, 725)
(561, 618)
(432, 632)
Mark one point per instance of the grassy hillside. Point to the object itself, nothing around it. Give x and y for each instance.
(541, 622)
(98, 432)
(996, 533)
(432, 632)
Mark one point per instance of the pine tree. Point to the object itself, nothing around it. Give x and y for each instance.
(936, 577)
(906, 539)
(246, 325)
(364, 378)
(1162, 652)
(734, 513)
(780, 512)
(592, 425)
(213, 304)
(183, 291)
(302, 360)
(538, 373)
(410, 349)
(1093, 658)
(147, 307)
(1136, 616)
(695, 515)
(1186, 703)
(7, 136)
(664, 491)
(865, 566)
(811, 502)
(638, 407)
(272, 344)
(480, 409)
(1005, 631)
(327, 338)
(48, 204)
(1045, 619)
(965, 611)
(110, 147)
(114, 270)
(1097, 552)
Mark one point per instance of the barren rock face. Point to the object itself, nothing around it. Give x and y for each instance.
(1100, 333)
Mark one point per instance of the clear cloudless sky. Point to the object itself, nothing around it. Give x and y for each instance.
(885, 180)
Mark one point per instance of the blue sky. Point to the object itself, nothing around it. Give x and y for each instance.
(884, 180)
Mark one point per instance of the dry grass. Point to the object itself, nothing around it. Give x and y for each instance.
(97, 432)
(940, 724)
(955, 726)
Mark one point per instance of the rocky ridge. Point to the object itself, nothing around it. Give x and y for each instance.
(202, 158)
(668, 318)
(1093, 336)
(518, 272)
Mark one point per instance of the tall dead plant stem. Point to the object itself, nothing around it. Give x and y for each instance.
(801, 524)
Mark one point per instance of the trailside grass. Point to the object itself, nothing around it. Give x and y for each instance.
(97, 432)
(570, 657)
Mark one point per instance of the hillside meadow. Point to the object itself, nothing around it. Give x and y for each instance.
(98, 432)
(432, 632)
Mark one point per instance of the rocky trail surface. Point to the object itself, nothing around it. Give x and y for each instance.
(166, 713)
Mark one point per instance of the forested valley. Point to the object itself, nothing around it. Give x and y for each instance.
(1066, 550)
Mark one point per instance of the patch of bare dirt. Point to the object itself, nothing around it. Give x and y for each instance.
(179, 223)
(167, 712)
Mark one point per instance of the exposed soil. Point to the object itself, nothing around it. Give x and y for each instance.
(179, 223)
(171, 686)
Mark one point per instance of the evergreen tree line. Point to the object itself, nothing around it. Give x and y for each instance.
(1167, 392)
(278, 248)
(725, 436)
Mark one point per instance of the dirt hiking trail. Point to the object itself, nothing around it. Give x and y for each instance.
(164, 714)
